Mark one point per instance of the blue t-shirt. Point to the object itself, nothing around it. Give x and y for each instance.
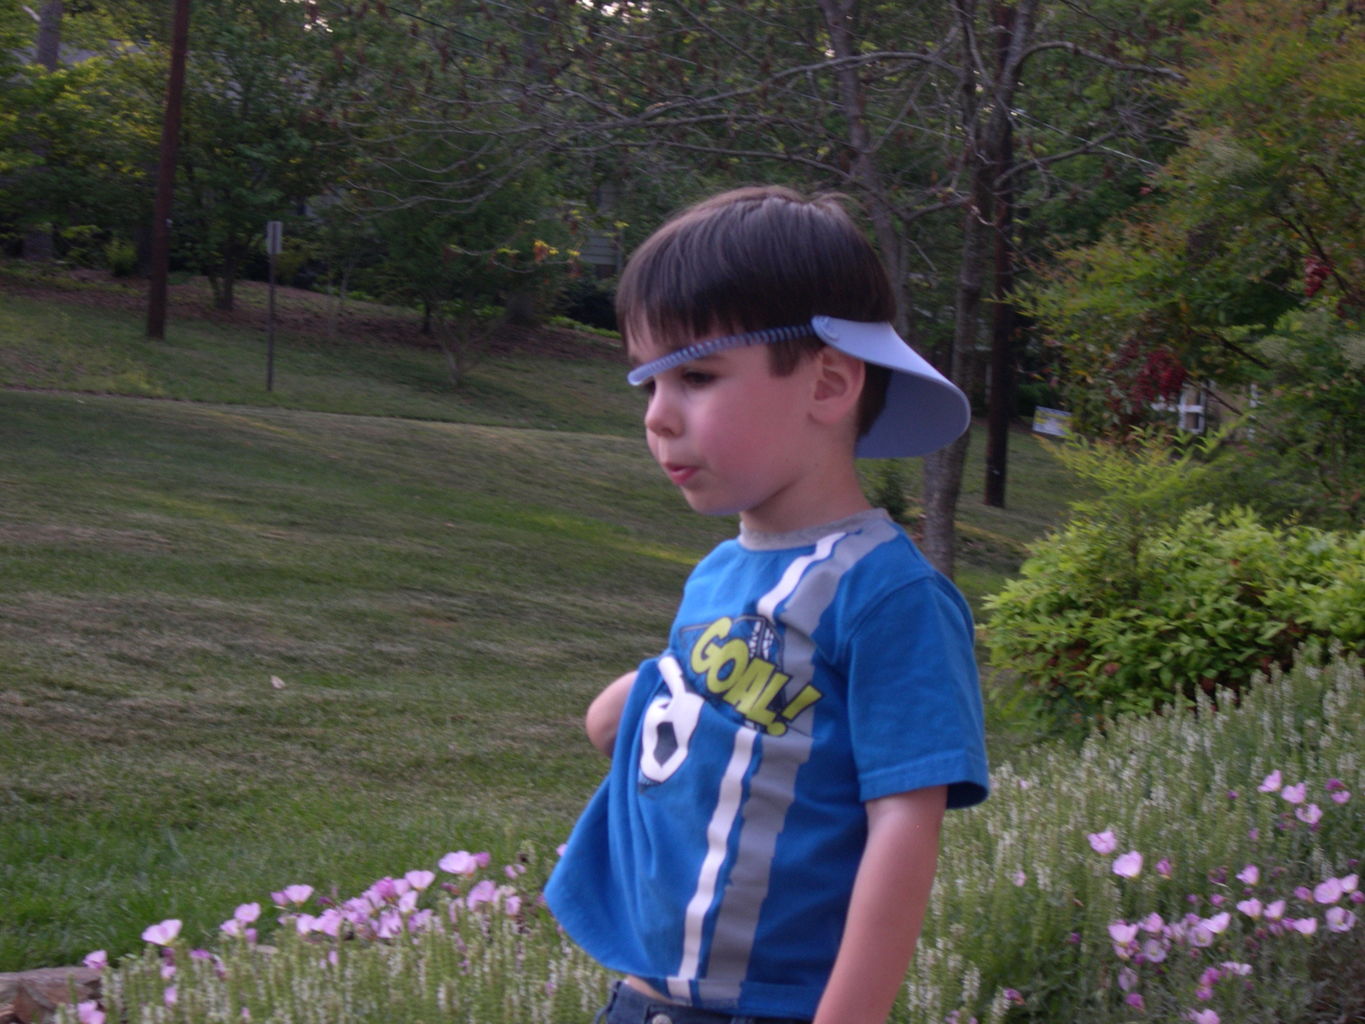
(805, 675)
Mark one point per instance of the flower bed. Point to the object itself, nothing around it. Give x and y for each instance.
(1198, 866)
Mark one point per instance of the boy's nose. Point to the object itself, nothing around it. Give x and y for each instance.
(661, 414)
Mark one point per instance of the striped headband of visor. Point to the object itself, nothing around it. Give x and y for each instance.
(702, 349)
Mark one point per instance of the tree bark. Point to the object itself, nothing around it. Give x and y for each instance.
(1000, 395)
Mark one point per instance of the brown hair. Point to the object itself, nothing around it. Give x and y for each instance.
(752, 258)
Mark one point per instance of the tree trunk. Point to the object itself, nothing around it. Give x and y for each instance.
(1000, 395)
(839, 16)
(943, 468)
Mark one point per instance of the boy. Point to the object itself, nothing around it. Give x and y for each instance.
(765, 842)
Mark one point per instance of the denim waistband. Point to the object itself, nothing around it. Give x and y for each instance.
(629, 1006)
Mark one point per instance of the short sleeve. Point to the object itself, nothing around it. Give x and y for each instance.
(914, 699)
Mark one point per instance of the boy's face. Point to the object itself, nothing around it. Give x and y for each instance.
(735, 438)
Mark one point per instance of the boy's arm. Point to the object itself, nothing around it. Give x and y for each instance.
(604, 713)
(890, 894)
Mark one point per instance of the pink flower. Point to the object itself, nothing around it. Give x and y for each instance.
(1341, 796)
(1128, 865)
(89, 1012)
(1274, 911)
(1103, 842)
(1218, 923)
(1128, 979)
(1163, 867)
(171, 995)
(1252, 908)
(390, 924)
(1295, 794)
(482, 892)
(1154, 950)
(247, 913)
(1204, 1017)
(1020, 878)
(1309, 815)
(1134, 999)
(1013, 996)
(419, 880)
(1329, 891)
(461, 862)
(1250, 874)
(1304, 925)
(1152, 923)
(1349, 883)
(295, 894)
(1339, 919)
(1272, 782)
(162, 934)
(421, 920)
(98, 961)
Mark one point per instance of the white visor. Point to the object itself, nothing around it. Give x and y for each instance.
(924, 410)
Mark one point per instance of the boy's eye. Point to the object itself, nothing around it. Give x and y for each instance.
(697, 378)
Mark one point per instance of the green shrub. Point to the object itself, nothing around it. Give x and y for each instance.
(886, 488)
(1206, 601)
(120, 257)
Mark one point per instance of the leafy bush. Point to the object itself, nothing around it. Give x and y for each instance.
(1302, 450)
(886, 488)
(1204, 602)
(120, 257)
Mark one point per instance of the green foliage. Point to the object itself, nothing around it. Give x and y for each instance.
(887, 488)
(120, 257)
(1204, 602)
(1300, 452)
(1258, 211)
(1146, 595)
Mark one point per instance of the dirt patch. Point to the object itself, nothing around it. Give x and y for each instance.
(309, 314)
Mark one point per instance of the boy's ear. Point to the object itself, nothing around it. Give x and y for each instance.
(837, 386)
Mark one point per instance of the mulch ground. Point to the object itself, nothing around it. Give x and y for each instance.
(299, 312)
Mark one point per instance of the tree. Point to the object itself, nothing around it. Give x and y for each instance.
(256, 141)
(1257, 215)
(78, 145)
(833, 97)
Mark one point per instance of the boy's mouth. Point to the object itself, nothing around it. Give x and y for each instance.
(679, 474)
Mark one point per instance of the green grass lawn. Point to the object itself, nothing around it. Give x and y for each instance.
(440, 585)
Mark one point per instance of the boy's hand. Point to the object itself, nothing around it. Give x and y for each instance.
(604, 713)
(890, 894)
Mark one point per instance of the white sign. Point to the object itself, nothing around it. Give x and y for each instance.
(274, 237)
(1053, 422)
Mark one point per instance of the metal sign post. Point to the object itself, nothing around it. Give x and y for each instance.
(274, 245)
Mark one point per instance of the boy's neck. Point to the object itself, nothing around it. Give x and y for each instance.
(828, 493)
